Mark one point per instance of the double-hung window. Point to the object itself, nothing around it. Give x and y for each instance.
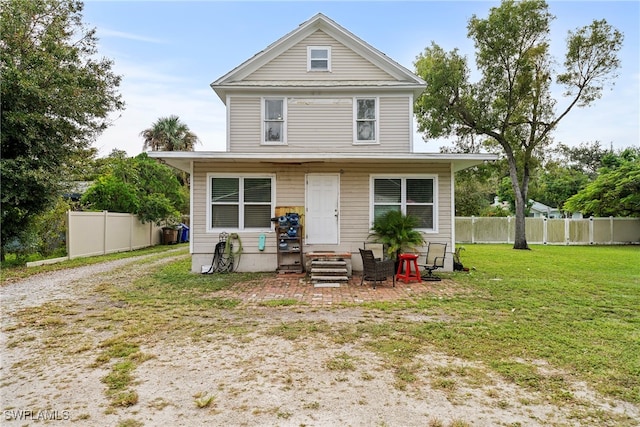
(240, 202)
(366, 123)
(274, 120)
(318, 58)
(411, 195)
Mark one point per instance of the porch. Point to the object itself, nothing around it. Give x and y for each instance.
(299, 287)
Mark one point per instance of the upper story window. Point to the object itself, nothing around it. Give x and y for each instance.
(366, 123)
(411, 195)
(318, 58)
(274, 121)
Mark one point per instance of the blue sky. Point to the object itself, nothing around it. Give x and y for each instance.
(168, 53)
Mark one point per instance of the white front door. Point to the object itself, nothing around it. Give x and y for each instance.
(322, 210)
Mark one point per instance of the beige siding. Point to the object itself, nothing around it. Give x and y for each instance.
(345, 64)
(245, 123)
(290, 191)
(320, 124)
(395, 124)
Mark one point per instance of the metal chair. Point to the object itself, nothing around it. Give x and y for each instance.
(376, 269)
(436, 253)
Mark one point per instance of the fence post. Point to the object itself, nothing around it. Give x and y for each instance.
(509, 229)
(131, 226)
(567, 237)
(473, 229)
(68, 233)
(611, 228)
(544, 230)
(105, 224)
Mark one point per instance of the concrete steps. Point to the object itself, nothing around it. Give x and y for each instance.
(328, 270)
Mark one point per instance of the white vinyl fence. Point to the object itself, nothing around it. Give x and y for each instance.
(567, 231)
(99, 233)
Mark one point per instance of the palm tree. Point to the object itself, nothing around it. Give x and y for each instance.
(169, 134)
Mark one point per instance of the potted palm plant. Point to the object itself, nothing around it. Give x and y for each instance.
(397, 232)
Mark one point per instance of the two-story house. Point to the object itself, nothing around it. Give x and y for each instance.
(321, 123)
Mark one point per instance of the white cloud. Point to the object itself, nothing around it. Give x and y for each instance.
(105, 32)
(149, 94)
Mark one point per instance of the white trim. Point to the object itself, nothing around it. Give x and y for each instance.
(316, 70)
(263, 99)
(412, 147)
(228, 114)
(210, 175)
(191, 198)
(376, 140)
(403, 201)
(453, 208)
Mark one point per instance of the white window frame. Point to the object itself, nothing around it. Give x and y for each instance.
(241, 203)
(403, 200)
(309, 59)
(283, 120)
(376, 121)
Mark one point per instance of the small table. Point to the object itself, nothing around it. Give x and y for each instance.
(408, 262)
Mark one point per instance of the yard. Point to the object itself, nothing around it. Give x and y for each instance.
(544, 337)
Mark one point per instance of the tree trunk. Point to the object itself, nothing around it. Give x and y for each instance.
(520, 240)
(520, 193)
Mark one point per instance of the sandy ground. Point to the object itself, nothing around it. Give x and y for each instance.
(49, 376)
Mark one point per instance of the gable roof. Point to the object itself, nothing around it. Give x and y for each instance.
(404, 78)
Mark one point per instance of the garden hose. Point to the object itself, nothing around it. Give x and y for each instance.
(230, 253)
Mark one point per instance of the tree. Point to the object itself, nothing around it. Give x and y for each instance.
(169, 134)
(586, 157)
(511, 104)
(138, 185)
(556, 183)
(56, 98)
(616, 190)
(475, 188)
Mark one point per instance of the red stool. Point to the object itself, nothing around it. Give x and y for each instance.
(406, 263)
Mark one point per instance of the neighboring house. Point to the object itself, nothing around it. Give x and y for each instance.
(76, 189)
(320, 123)
(540, 210)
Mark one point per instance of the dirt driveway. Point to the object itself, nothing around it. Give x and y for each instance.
(237, 367)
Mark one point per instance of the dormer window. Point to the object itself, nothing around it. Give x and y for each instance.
(318, 58)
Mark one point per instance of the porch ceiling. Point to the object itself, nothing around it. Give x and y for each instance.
(182, 159)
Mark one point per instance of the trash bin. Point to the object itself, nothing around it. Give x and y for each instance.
(184, 233)
(169, 236)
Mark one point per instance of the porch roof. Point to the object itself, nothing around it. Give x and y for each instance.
(182, 159)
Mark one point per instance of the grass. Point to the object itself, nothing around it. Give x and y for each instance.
(542, 319)
(568, 308)
(11, 271)
(575, 308)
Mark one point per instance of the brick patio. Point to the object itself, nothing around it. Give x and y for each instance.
(298, 287)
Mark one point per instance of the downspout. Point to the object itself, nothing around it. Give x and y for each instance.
(191, 207)
(453, 208)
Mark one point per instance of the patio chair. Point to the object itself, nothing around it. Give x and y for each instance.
(376, 270)
(436, 253)
(376, 248)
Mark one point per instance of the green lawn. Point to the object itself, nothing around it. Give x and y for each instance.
(576, 308)
(543, 319)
